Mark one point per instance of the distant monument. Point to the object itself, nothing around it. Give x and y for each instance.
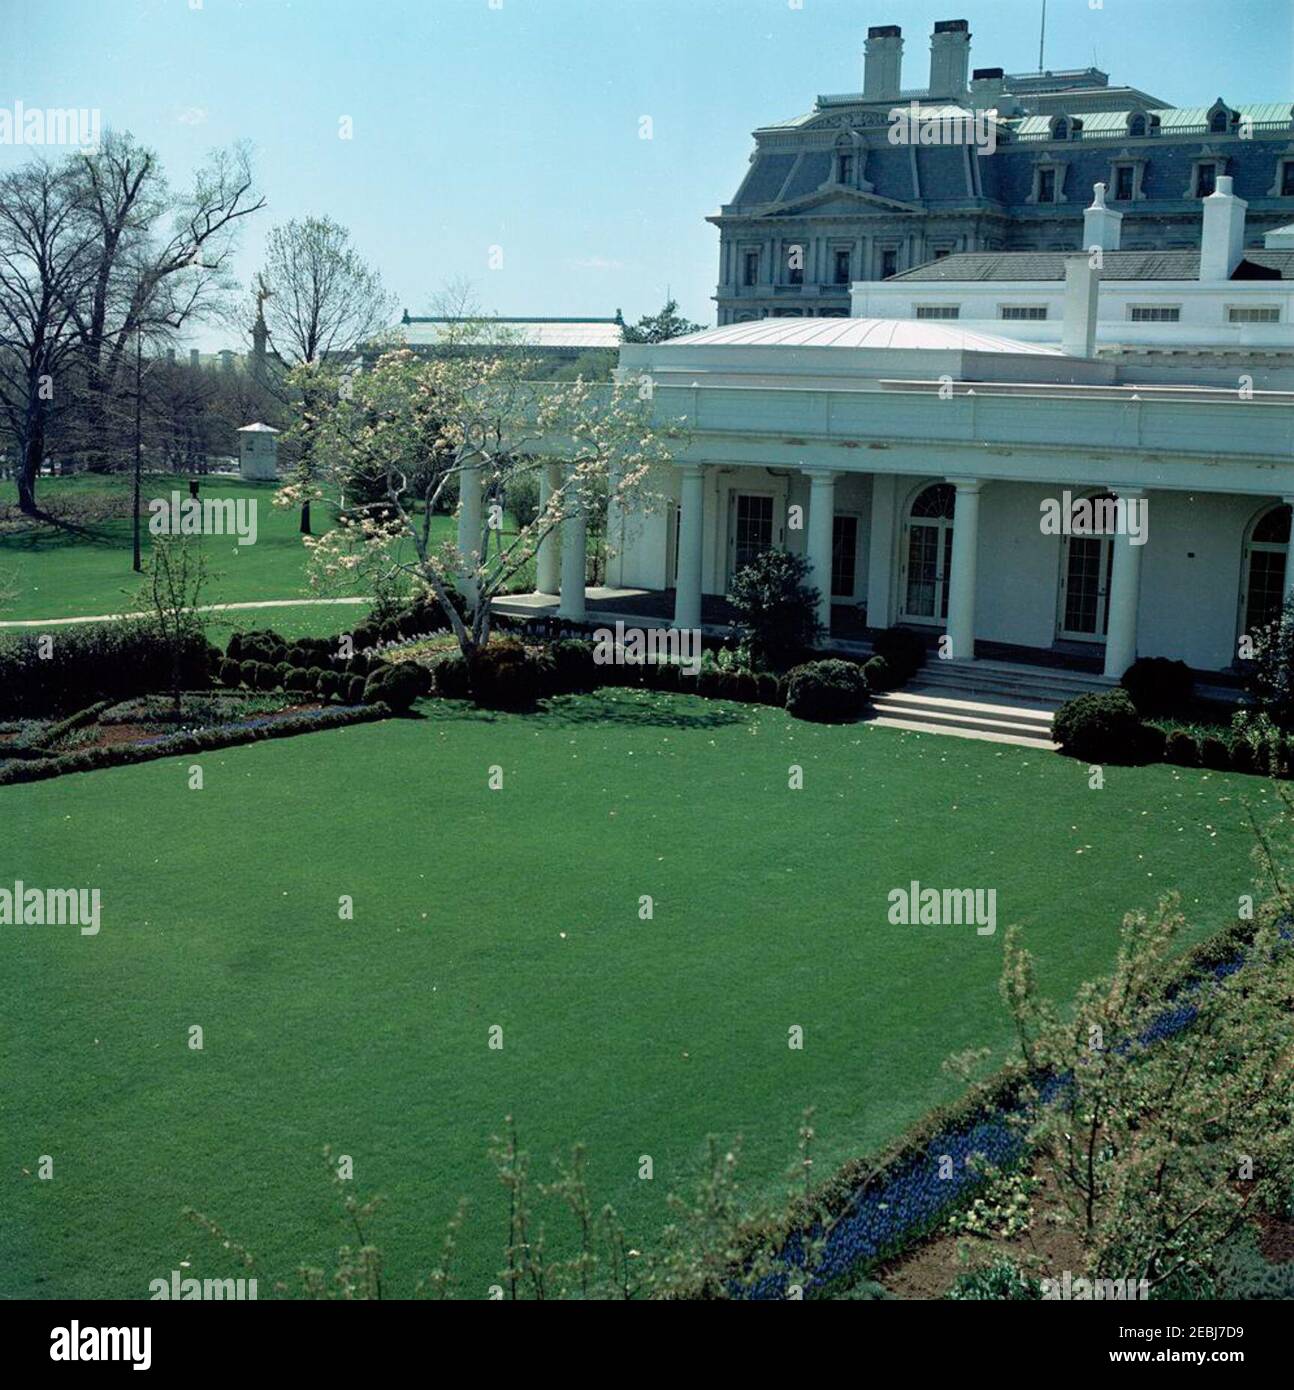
(258, 452)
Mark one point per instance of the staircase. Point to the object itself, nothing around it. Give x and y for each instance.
(999, 701)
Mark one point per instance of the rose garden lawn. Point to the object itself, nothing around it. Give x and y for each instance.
(520, 908)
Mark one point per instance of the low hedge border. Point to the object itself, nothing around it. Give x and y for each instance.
(205, 741)
(873, 1208)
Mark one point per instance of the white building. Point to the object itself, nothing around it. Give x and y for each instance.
(913, 462)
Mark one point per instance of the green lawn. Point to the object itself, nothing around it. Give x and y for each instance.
(519, 907)
(61, 572)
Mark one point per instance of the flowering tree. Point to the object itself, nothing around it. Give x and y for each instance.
(468, 418)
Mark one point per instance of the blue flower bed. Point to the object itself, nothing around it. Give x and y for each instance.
(880, 1220)
(260, 721)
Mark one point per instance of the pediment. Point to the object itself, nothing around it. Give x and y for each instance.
(835, 199)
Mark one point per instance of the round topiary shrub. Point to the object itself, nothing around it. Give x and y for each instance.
(879, 674)
(503, 676)
(399, 684)
(770, 689)
(231, 673)
(267, 678)
(235, 649)
(298, 681)
(1214, 753)
(829, 692)
(355, 690)
(247, 670)
(574, 669)
(1157, 685)
(285, 669)
(1151, 742)
(449, 677)
(1182, 749)
(1102, 727)
(903, 649)
(1242, 754)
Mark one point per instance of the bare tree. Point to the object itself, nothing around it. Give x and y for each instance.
(46, 265)
(161, 258)
(321, 300)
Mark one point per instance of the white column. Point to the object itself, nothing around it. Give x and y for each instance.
(1288, 595)
(687, 596)
(1124, 595)
(822, 511)
(469, 528)
(574, 560)
(548, 559)
(961, 583)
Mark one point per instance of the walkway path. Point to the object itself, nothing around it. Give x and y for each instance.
(205, 608)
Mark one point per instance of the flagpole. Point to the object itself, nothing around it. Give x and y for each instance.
(1042, 37)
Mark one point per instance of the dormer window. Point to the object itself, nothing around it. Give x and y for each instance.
(1221, 118)
(1065, 127)
(1137, 127)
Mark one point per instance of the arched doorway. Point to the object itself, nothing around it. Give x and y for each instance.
(1082, 609)
(927, 555)
(1263, 568)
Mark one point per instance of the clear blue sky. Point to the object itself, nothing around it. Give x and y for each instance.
(518, 126)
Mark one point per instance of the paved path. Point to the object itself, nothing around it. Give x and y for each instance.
(204, 608)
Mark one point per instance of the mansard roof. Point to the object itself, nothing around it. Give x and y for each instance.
(1117, 265)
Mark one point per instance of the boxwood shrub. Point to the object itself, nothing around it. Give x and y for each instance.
(826, 691)
(1214, 753)
(1157, 685)
(397, 684)
(504, 676)
(1101, 727)
(903, 649)
(1181, 748)
(880, 674)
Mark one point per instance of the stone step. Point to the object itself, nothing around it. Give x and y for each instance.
(931, 702)
(922, 726)
(969, 717)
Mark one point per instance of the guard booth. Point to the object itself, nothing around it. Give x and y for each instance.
(258, 452)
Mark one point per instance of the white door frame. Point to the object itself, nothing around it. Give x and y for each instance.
(760, 488)
(1064, 634)
(942, 560)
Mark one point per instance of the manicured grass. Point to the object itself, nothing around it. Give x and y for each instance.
(60, 572)
(520, 907)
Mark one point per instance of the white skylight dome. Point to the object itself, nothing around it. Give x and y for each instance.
(929, 334)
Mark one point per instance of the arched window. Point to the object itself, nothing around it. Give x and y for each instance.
(1060, 129)
(1220, 118)
(928, 554)
(1137, 127)
(1262, 577)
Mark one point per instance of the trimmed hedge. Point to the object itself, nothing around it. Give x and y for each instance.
(828, 692)
(209, 740)
(1157, 685)
(1182, 749)
(103, 661)
(903, 649)
(506, 675)
(397, 685)
(880, 675)
(1102, 727)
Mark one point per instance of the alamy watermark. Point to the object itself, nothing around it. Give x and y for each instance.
(210, 516)
(50, 125)
(911, 125)
(1068, 515)
(636, 646)
(180, 1289)
(948, 907)
(1082, 1290)
(50, 907)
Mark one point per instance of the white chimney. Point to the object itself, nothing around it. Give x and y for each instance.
(1102, 226)
(950, 58)
(1222, 245)
(1082, 293)
(883, 63)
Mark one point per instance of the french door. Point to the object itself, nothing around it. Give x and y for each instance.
(750, 530)
(1086, 564)
(927, 566)
(844, 555)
